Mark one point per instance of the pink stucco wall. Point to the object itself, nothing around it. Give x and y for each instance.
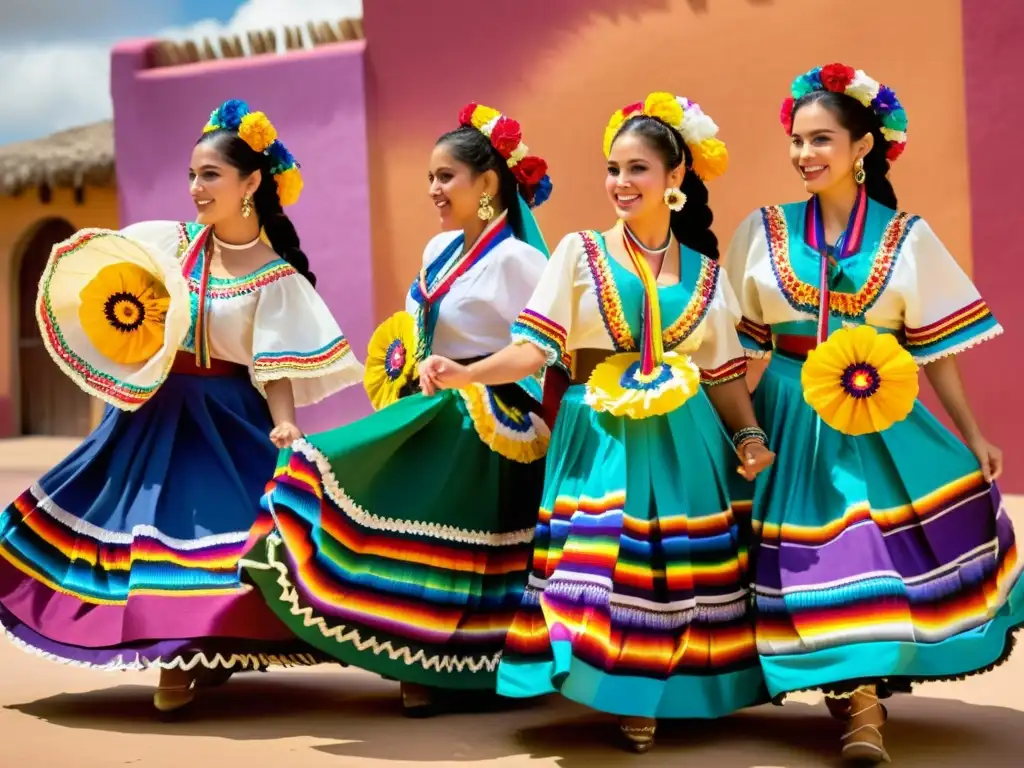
(993, 62)
(316, 100)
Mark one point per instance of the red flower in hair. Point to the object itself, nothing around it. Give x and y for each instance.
(635, 107)
(895, 150)
(466, 114)
(506, 136)
(836, 77)
(530, 170)
(786, 114)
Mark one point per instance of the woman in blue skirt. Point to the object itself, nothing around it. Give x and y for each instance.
(124, 556)
(637, 602)
(884, 554)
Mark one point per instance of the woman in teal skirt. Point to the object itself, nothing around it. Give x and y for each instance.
(402, 541)
(884, 554)
(637, 603)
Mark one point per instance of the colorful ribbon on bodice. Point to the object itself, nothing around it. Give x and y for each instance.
(436, 279)
(652, 351)
(831, 264)
(199, 253)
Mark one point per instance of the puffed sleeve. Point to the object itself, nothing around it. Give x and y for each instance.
(721, 356)
(943, 312)
(169, 239)
(744, 250)
(296, 337)
(520, 272)
(546, 321)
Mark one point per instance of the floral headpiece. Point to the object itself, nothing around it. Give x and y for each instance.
(839, 78)
(506, 136)
(256, 130)
(710, 157)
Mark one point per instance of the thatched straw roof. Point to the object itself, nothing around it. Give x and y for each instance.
(76, 158)
(172, 53)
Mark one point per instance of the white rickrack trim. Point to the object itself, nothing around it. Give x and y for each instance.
(958, 348)
(341, 635)
(137, 662)
(408, 527)
(84, 528)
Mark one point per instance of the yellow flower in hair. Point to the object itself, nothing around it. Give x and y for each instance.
(664, 107)
(257, 131)
(710, 159)
(613, 130)
(289, 186)
(209, 128)
(483, 115)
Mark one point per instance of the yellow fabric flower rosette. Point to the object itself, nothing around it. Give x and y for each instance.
(619, 385)
(113, 312)
(860, 381)
(123, 311)
(653, 382)
(390, 359)
(518, 436)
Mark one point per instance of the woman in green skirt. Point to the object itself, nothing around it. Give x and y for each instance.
(402, 540)
(884, 554)
(637, 602)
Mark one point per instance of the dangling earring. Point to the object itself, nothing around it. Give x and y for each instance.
(859, 175)
(247, 206)
(675, 199)
(485, 211)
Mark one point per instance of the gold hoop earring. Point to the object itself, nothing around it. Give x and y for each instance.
(247, 206)
(859, 175)
(485, 210)
(675, 199)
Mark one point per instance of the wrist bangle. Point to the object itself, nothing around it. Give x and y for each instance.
(749, 434)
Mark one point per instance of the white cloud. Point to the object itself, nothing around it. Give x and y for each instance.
(49, 87)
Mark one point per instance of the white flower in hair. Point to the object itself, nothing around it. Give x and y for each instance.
(697, 126)
(488, 128)
(863, 88)
(517, 155)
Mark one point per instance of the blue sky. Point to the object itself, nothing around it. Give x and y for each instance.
(55, 54)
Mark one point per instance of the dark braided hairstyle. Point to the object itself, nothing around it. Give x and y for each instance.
(472, 148)
(691, 225)
(272, 218)
(859, 121)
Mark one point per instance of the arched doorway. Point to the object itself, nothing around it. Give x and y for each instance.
(51, 404)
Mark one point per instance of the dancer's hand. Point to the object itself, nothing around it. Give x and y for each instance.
(438, 372)
(755, 457)
(284, 434)
(989, 456)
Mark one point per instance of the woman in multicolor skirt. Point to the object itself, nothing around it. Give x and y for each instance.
(637, 602)
(884, 553)
(402, 540)
(125, 555)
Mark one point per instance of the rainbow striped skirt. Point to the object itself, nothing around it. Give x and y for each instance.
(882, 558)
(402, 540)
(637, 601)
(125, 555)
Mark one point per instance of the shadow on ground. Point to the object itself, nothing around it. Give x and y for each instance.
(360, 716)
